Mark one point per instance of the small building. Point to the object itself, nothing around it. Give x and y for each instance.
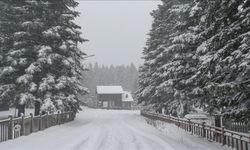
(113, 97)
(127, 100)
(109, 96)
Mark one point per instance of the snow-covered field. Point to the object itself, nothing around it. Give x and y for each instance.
(96, 129)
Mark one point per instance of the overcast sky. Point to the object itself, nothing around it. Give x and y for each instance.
(116, 30)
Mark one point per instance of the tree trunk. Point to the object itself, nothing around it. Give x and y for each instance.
(37, 108)
(21, 109)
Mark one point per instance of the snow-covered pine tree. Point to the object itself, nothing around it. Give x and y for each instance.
(164, 76)
(205, 53)
(43, 63)
(59, 61)
(161, 56)
(7, 28)
(234, 62)
(14, 50)
(181, 68)
(224, 68)
(153, 48)
(158, 75)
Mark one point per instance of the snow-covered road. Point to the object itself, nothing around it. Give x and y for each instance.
(108, 130)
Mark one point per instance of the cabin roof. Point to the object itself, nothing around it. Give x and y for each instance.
(109, 90)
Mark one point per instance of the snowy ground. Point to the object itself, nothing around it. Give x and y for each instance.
(109, 130)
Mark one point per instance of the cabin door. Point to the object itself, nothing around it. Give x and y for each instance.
(105, 104)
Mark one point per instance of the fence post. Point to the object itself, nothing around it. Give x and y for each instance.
(31, 122)
(58, 117)
(10, 128)
(71, 116)
(40, 122)
(47, 119)
(203, 129)
(223, 135)
(189, 125)
(22, 126)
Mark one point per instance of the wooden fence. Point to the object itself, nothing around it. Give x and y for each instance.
(237, 126)
(220, 135)
(12, 128)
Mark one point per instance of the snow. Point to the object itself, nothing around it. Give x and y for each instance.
(33, 87)
(23, 61)
(24, 79)
(186, 37)
(196, 116)
(180, 138)
(194, 9)
(48, 105)
(180, 8)
(110, 130)
(20, 34)
(33, 68)
(109, 90)
(8, 70)
(46, 83)
(43, 51)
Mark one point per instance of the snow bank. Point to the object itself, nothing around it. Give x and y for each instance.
(180, 137)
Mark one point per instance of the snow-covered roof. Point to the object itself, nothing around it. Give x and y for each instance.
(109, 90)
(127, 97)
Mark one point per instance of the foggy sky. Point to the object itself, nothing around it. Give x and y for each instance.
(116, 30)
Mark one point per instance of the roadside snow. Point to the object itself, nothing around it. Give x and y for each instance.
(179, 137)
(96, 129)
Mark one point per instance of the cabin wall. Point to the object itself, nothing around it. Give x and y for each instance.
(112, 100)
(126, 105)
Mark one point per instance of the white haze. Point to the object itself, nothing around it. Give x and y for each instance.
(116, 30)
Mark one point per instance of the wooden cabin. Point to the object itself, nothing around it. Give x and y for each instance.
(113, 97)
(109, 96)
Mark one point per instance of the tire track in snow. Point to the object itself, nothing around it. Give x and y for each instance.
(145, 138)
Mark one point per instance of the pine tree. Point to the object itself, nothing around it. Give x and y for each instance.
(222, 54)
(168, 58)
(59, 59)
(43, 58)
(198, 55)
(182, 66)
(14, 52)
(154, 46)
(7, 28)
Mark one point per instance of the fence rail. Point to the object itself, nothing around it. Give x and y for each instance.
(220, 135)
(237, 126)
(12, 128)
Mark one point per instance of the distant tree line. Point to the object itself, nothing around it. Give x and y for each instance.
(125, 76)
(40, 64)
(198, 55)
